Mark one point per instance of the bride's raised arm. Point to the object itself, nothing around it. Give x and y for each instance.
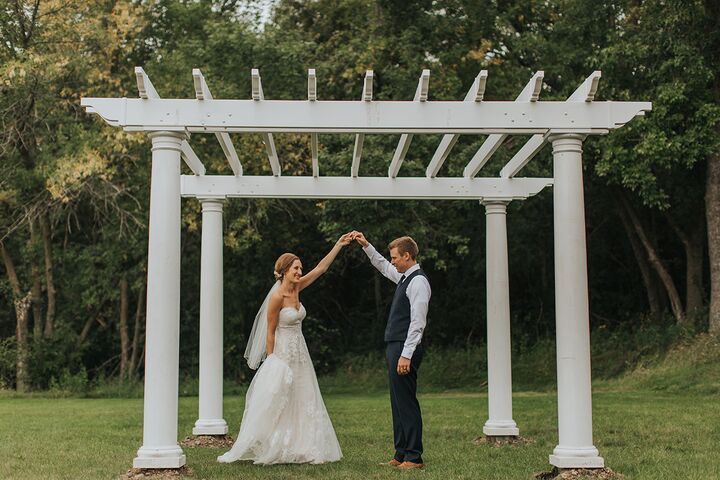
(325, 263)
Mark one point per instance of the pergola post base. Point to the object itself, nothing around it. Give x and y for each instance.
(577, 458)
(160, 457)
(210, 427)
(504, 432)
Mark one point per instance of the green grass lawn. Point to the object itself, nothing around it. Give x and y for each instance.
(642, 434)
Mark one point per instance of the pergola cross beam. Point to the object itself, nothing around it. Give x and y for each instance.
(584, 93)
(202, 92)
(312, 96)
(421, 95)
(366, 96)
(476, 93)
(147, 91)
(530, 93)
(258, 96)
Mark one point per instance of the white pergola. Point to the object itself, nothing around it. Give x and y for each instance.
(169, 123)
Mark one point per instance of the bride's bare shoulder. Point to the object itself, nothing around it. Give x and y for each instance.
(276, 300)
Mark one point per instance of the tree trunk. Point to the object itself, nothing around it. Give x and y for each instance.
(712, 214)
(49, 282)
(124, 338)
(136, 331)
(657, 264)
(693, 245)
(653, 295)
(22, 309)
(38, 320)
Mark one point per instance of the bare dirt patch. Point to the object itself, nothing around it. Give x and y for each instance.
(580, 474)
(501, 441)
(157, 473)
(211, 441)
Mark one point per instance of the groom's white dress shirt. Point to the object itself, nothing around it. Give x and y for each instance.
(418, 292)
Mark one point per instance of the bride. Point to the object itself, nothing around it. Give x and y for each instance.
(285, 420)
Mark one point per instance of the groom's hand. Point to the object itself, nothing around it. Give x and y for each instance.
(403, 366)
(360, 238)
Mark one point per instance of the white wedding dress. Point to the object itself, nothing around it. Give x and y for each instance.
(285, 420)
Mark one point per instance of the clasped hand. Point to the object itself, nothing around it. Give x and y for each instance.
(347, 238)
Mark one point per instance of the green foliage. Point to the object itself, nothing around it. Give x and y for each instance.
(69, 384)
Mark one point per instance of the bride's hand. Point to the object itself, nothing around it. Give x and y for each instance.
(345, 239)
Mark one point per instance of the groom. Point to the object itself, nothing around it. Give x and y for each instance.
(406, 321)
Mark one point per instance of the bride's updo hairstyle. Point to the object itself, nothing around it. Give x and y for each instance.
(283, 263)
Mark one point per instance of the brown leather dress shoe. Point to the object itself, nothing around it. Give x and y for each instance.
(392, 463)
(411, 465)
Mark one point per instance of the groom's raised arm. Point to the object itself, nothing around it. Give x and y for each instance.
(381, 263)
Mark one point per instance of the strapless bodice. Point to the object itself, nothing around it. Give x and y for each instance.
(291, 316)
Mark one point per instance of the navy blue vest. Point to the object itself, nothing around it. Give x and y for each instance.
(399, 318)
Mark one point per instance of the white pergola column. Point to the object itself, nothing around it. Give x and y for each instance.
(575, 447)
(160, 448)
(500, 422)
(210, 417)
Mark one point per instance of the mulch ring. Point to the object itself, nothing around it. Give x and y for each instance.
(212, 441)
(500, 441)
(580, 473)
(157, 473)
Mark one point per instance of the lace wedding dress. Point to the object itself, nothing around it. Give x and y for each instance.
(285, 420)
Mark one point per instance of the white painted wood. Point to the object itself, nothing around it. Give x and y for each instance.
(210, 411)
(162, 332)
(363, 187)
(147, 91)
(421, 94)
(202, 92)
(481, 82)
(476, 93)
(191, 160)
(500, 421)
(360, 137)
(312, 85)
(145, 87)
(312, 96)
(300, 116)
(587, 90)
(258, 95)
(575, 447)
(584, 93)
(314, 154)
(367, 94)
(529, 93)
(523, 156)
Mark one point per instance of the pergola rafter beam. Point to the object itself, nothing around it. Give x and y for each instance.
(312, 96)
(420, 188)
(258, 96)
(421, 95)
(367, 94)
(530, 93)
(202, 92)
(476, 93)
(584, 93)
(147, 91)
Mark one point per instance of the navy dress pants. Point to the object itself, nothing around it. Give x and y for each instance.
(407, 419)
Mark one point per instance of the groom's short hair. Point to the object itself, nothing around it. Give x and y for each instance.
(405, 245)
